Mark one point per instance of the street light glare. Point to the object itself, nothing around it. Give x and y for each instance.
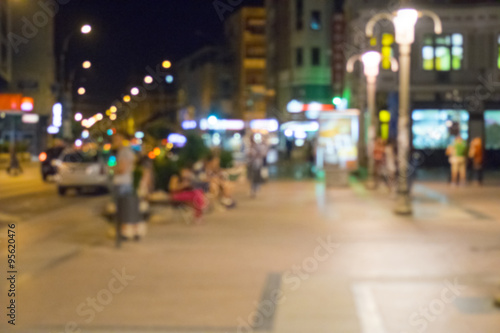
(134, 91)
(113, 116)
(113, 109)
(81, 91)
(126, 98)
(148, 79)
(86, 29)
(166, 64)
(87, 64)
(78, 116)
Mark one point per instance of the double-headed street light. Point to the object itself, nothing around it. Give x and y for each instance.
(404, 23)
(371, 65)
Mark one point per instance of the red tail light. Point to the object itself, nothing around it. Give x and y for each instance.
(42, 157)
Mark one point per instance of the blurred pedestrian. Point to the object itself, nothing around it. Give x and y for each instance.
(289, 148)
(182, 189)
(14, 167)
(450, 151)
(390, 166)
(311, 157)
(127, 203)
(476, 154)
(459, 161)
(256, 155)
(378, 157)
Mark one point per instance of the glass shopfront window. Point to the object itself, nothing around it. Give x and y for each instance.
(435, 129)
(492, 129)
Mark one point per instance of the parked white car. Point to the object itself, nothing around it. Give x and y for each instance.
(79, 170)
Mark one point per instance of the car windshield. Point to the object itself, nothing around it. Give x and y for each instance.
(80, 157)
(54, 152)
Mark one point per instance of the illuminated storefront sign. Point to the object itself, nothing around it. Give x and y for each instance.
(215, 124)
(16, 102)
(300, 126)
(56, 119)
(338, 139)
(30, 118)
(295, 106)
(270, 125)
(178, 140)
(188, 124)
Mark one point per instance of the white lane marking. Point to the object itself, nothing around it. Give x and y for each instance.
(366, 306)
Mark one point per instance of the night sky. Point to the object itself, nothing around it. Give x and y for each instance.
(129, 35)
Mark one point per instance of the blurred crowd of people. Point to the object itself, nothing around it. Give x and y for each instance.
(460, 156)
(202, 185)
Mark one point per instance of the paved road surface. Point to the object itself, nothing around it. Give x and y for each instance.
(299, 258)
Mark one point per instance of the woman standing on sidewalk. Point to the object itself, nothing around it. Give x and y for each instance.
(256, 155)
(476, 154)
(459, 161)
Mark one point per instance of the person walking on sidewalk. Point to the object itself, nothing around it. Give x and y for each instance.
(256, 155)
(459, 161)
(14, 167)
(476, 154)
(378, 157)
(127, 204)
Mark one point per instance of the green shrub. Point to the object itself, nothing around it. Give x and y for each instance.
(226, 159)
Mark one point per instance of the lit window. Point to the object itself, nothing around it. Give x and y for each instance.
(436, 129)
(387, 51)
(492, 129)
(443, 52)
(316, 20)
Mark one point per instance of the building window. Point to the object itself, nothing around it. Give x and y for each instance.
(492, 129)
(256, 26)
(436, 129)
(316, 20)
(315, 56)
(443, 52)
(299, 57)
(299, 14)
(387, 50)
(256, 51)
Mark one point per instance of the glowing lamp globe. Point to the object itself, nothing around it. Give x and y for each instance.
(371, 62)
(404, 23)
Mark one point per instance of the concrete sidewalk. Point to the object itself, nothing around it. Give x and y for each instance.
(299, 258)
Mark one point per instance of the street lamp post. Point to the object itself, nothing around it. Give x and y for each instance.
(65, 84)
(371, 62)
(404, 23)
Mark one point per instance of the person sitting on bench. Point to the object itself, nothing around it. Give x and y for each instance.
(182, 190)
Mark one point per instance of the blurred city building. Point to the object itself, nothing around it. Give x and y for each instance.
(299, 53)
(27, 68)
(246, 37)
(454, 89)
(204, 82)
